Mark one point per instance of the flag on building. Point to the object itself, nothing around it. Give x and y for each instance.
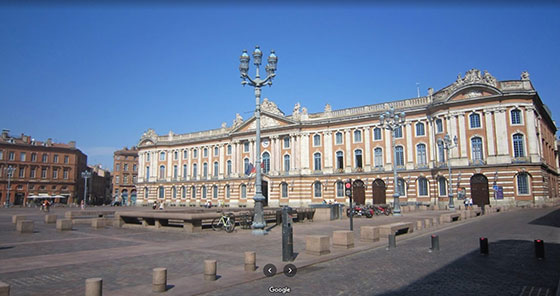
(250, 169)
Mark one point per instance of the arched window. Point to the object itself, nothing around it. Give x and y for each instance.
(228, 149)
(215, 169)
(317, 189)
(338, 138)
(185, 171)
(421, 154)
(228, 191)
(286, 142)
(439, 126)
(317, 161)
(146, 193)
(420, 131)
(515, 116)
(476, 146)
(175, 155)
(358, 158)
(266, 162)
(523, 183)
(286, 163)
(148, 173)
(243, 191)
(228, 165)
(246, 166)
(339, 189)
(205, 152)
(193, 191)
(518, 146)
(378, 157)
(401, 187)
(195, 153)
(399, 161)
(357, 136)
(175, 172)
(215, 191)
(174, 192)
(161, 171)
(284, 189)
(475, 120)
(317, 140)
(216, 151)
(442, 182)
(377, 133)
(205, 170)
(148, 156)
(194, 171)
(340, 160)
(203, 189)
(161, 192)
(422, 186)
(183, 192)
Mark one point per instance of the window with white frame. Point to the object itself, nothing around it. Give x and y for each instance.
(398, 132)
(161, 171)
(216, 151)
(228, 191)
(195, 153)
(203, 190)
(246, 166)
(162, 155)
(228, 149)
(515, 116)
(523, 183)
(286, 163)
(33, 156)
(420, 129)
(205, 152)
(399, 151)
(422, 186)
(317, 189)
(286, 142)
(317, 140)
(146, 193)
(205, 170)
(174, 192)
(266, 163)
(339, 189)
(442, 184)
(518, 145)
(228, 165)
(441, 152)
(215, 191)
(439, 125)
(378, 157)
(215, 171)
(358, 158)
(377, 133)
(22, 156)
(317, 161)
(243, 191)
(193, 191)
(338, 138)
(246, 146)
(357, 136)
(284, 189)
(175, 172)
(474, 119)
(175, 155)
(476, 146)
(161, 192)
(185, 154)
(185, 171)
(421, 154)
(401, 187)
(340, 160)
(183, 192)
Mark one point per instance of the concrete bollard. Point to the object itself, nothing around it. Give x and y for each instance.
(250, 261)
(159, 279)
(392, 243)
(63, 224)
(98, 223)
(369, 233)
(16, 218)
(24, 226)
(419, 224)
(210, 267)
(317, 244)
(50, 219)
(94, 287)
(343, 239)
(4, 289)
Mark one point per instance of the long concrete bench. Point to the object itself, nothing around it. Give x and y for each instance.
(88, 214)
(450, 217)
(395, 228)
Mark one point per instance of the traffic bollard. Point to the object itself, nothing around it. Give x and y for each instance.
(435, 243)
(392, 242)
(159, 279)
(539, 249)
(250, 261)
(94, 287)
(484, 246)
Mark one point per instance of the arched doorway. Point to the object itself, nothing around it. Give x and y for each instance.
(479, 190)
(359, 192)
(379, 192)
(133, 197)
(124, 196)
(264, 188)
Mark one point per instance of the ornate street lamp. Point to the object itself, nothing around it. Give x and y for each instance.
(393, 121)
(447, 145)
(86, 175)
(10, 173)
(258, 221)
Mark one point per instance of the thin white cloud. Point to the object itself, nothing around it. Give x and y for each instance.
(99, 151)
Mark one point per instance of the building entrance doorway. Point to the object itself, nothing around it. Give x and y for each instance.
(379, 192)
(479, 190)
(359, 192)
(18, 200)
(264, 188)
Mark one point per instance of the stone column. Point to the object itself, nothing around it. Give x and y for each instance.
(410, 149)
(490, 148)
(273, 155)
(293, 139)
(210, 162)
(532, 141)
(502, 138)
(348, 150)
(235, 158)
(388, 151)
(169, 159)
(222, 160)
(304, 152)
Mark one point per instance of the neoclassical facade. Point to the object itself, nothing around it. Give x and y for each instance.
(505, 152)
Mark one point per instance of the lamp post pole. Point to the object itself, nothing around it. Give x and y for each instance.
(86, 175)
(9, 172)
(258, 221)
(393, 121)
(447, 145)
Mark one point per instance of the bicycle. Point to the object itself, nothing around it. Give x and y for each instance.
(245, 221)
(226, 221)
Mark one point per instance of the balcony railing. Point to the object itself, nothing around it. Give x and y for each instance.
(421, 166)
(522, 159)
(477, 162)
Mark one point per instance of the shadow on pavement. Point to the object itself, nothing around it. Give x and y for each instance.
(510, 266)
(550, 219)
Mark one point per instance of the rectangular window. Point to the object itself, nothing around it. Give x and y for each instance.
(125, 167)
(522, 184)
(12, 156)
(45, 158)
(377, 133)
(125, 179)
(147, 173)
(284, 190)
(55, 174)
(216, 151)
(246, 147)
(286, 142)
(65, 172)
(34, 157)
(205, 152)
(22, 156)
(44, 173)
(55, 158)
(134, 179)
(185, 154)
(175, 172)
(398, 132)
(339, 189)
(420, 131)
(134, 168)
(1, 155)
(117, 167)
(117, 179)
(338, 138)
(162, 156)
(32, 173)
(357, 136)
(316, 140)
(228, 149)
(66, 158)
(439, 126)
(21, 172)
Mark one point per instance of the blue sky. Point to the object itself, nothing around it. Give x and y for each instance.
(103, 74)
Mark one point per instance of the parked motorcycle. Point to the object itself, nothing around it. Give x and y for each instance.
(361, 211)
(378, 210)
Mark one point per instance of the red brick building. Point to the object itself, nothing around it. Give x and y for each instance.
(125, 173)
(40, 170)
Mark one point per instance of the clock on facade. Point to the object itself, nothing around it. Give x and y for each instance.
(265, 143)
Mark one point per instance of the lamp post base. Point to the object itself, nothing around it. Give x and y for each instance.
(396, 206)
(259, 223)
(451, 205)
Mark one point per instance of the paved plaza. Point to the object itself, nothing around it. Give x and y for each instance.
(49, 262)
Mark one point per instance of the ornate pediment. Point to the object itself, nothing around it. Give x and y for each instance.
(266, 121)
(149, 137)
(472, 77)
(270, 107)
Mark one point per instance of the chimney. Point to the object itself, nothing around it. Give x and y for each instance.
(49, 142)
(5, 134)
(72, 144)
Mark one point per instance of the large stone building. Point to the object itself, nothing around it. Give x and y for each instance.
(125, 174)
(100, 185)
(40, 170)
(505, 152)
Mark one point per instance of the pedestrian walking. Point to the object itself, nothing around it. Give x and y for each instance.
(83, 204)
(155, 205)
(161, 205)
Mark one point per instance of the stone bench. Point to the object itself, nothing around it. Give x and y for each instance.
(63, 224)
(317, 244)
(343, 239)
(16, 218)
(4, 289)
(88, 214)
(369, 233)
(24, 226)
(395, 228)
(448, 218)
(98, 223)
(50, 219)
(190, 222)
